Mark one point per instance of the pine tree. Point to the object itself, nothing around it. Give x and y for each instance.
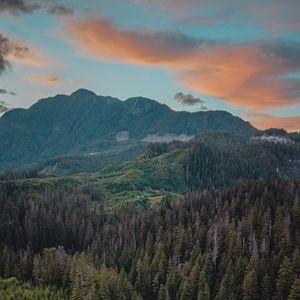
(186, 292)
(161, 293)
(75, 293)
(172, 283)
(284, 278)
(295, 290)
(156, 285)
(266, 287)
(194, 279)
(204, 293)
(250, 286)
(204, 290)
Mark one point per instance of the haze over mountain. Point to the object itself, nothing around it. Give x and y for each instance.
(87, 125)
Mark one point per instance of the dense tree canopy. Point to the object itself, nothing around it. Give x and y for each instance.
(233, 243)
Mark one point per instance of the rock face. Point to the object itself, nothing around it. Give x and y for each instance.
(83, 123)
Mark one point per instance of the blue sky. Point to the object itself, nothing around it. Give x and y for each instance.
(231, 55)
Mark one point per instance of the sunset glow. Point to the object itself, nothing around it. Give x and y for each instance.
(239, 57)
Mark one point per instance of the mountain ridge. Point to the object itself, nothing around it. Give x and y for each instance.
(83, 123)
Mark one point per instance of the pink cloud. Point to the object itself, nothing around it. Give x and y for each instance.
(42, 79)
(249, 75)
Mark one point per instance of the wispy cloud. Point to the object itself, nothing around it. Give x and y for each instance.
(15, 51)
(59, 10)
(42, 79)
(275, 16)
(198, 21)
(252, 75)
(10, 49)
(176, 6)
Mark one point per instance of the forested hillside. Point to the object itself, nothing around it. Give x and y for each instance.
(233, 243)
(217, 160)
(168, 170)
(87, 131)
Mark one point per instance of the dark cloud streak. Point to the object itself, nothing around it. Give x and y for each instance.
(188, 99)
(17, 7)
(59, 10)
(4, 91)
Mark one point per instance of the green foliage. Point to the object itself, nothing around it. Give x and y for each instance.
(137, 182)
(284, 279)
(250, 286)
(168, 169)
(12, 289)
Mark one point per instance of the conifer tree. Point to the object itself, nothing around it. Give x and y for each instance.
(266, 287)
(284, 279)
(295, 290)
(250, 286)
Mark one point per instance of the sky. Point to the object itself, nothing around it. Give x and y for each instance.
(234, 55)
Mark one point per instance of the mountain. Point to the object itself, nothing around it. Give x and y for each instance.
(99, 129)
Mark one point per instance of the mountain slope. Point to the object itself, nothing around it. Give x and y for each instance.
(165, 170)
(84, 124)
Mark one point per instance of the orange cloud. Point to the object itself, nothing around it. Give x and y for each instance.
(103, 40)
(243, 75)
(42, 79)
(33, 57)
(264, 121)
(249, 75)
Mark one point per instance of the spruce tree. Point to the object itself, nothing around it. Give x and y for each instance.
(250, 286)
(295, 290)
(284, 279)
(266, 287)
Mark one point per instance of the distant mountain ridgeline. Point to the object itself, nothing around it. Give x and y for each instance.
(90, 130)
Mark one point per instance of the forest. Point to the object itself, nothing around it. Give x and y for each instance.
(238, 242)
(149, 150)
